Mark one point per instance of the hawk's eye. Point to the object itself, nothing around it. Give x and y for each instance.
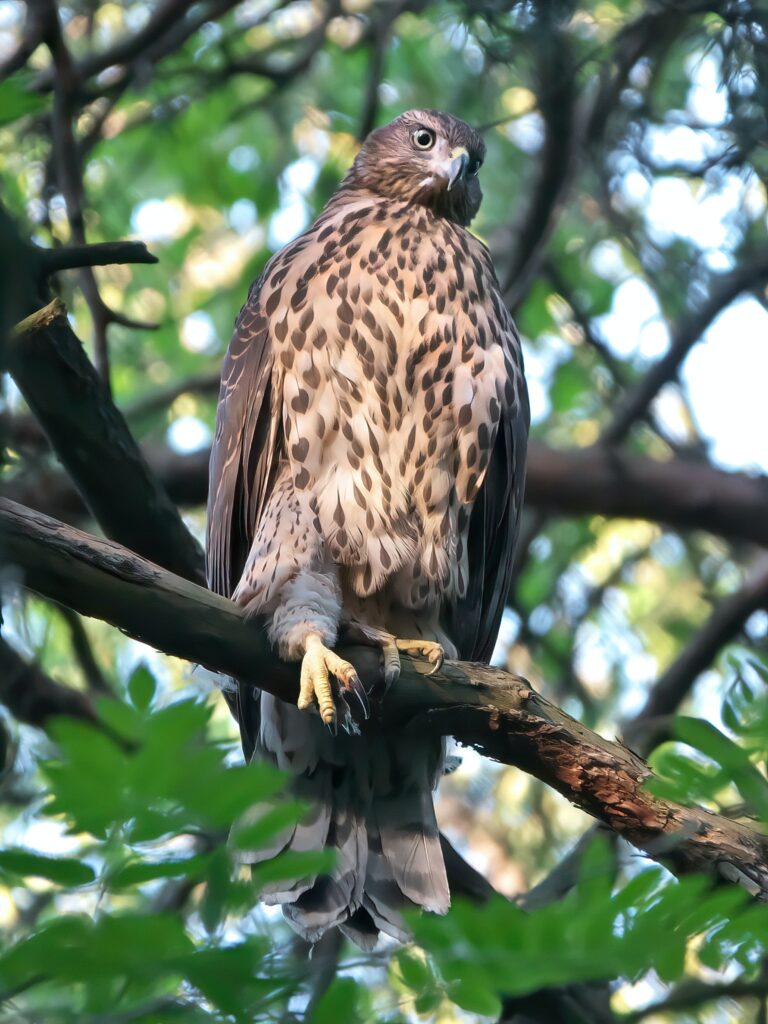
(473, 167)
(423, 138)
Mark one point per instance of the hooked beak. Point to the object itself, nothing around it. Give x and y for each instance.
(457, 168)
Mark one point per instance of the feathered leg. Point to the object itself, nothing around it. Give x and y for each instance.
(289, 575)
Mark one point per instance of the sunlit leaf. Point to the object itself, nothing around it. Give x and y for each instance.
(62, 870)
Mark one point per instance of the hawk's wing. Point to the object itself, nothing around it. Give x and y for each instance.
(244, 458)
(473, 622)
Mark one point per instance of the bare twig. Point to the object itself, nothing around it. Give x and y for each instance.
(81, 647)
(751, 272)
(694, 993)
(69, 174)
(164, 16)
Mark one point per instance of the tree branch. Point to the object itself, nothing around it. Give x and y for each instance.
(751, 272)
(491, 710)
(32, 696)
(163, 18)
(83, 652)
(93, 442)
(593, 481)
(685, 495)
(100, 254)
(692, 994)
(650, 727)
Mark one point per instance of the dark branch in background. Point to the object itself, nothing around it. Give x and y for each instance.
(724, 625)
(81, 648)
(520, 248)
(66, 163)
(594, 481)
(163, 18)
(94, 444)
(576, 118)
(205, 383)
(751, 273)
(36, 26)
(582, 320)
(685, 495)
(498, 714)
(380, 33)
(100, 254)
(32, 696)
(691, 995)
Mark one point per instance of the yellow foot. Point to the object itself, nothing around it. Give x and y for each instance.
(318, 664)
(391, 648)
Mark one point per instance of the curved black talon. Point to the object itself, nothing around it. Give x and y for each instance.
(356, 687)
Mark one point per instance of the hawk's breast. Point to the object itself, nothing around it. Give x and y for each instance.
(395, 358)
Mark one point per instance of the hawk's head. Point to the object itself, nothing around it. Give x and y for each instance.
(426, 157)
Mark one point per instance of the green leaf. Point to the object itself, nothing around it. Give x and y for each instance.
(226, 975)
(293, 864)
(427, 1002)
(415, 970)
(124, 720)
(138, 872)
(217, 891)
(714, 744)
(61, 870)
(472, 993)
(256, 834)
(142, 687)
(572, 386)
(16, 101)
(339, 1003)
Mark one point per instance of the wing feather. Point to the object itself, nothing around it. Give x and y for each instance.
(244, 457)
(473, 621)
(246, 448)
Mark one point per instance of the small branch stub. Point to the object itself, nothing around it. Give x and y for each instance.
(40, 319)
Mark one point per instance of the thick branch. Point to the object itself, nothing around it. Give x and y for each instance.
(93, 442)
(685, 495)
(595, 481)
(497, 713)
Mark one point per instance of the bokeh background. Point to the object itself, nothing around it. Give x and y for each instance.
(625, 205)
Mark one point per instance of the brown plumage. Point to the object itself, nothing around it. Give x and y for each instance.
(366, 481)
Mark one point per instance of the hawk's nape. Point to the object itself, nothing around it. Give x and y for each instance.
(366, 483)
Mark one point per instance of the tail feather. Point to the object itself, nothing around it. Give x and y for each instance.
(371, 802)
(411, 846)
(361, 929)
(334, 897)
(383, 898)
(310, 833)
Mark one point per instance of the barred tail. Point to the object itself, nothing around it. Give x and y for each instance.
(371, 802)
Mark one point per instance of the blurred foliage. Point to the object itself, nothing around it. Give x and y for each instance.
(147, 798)
(119, 895)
